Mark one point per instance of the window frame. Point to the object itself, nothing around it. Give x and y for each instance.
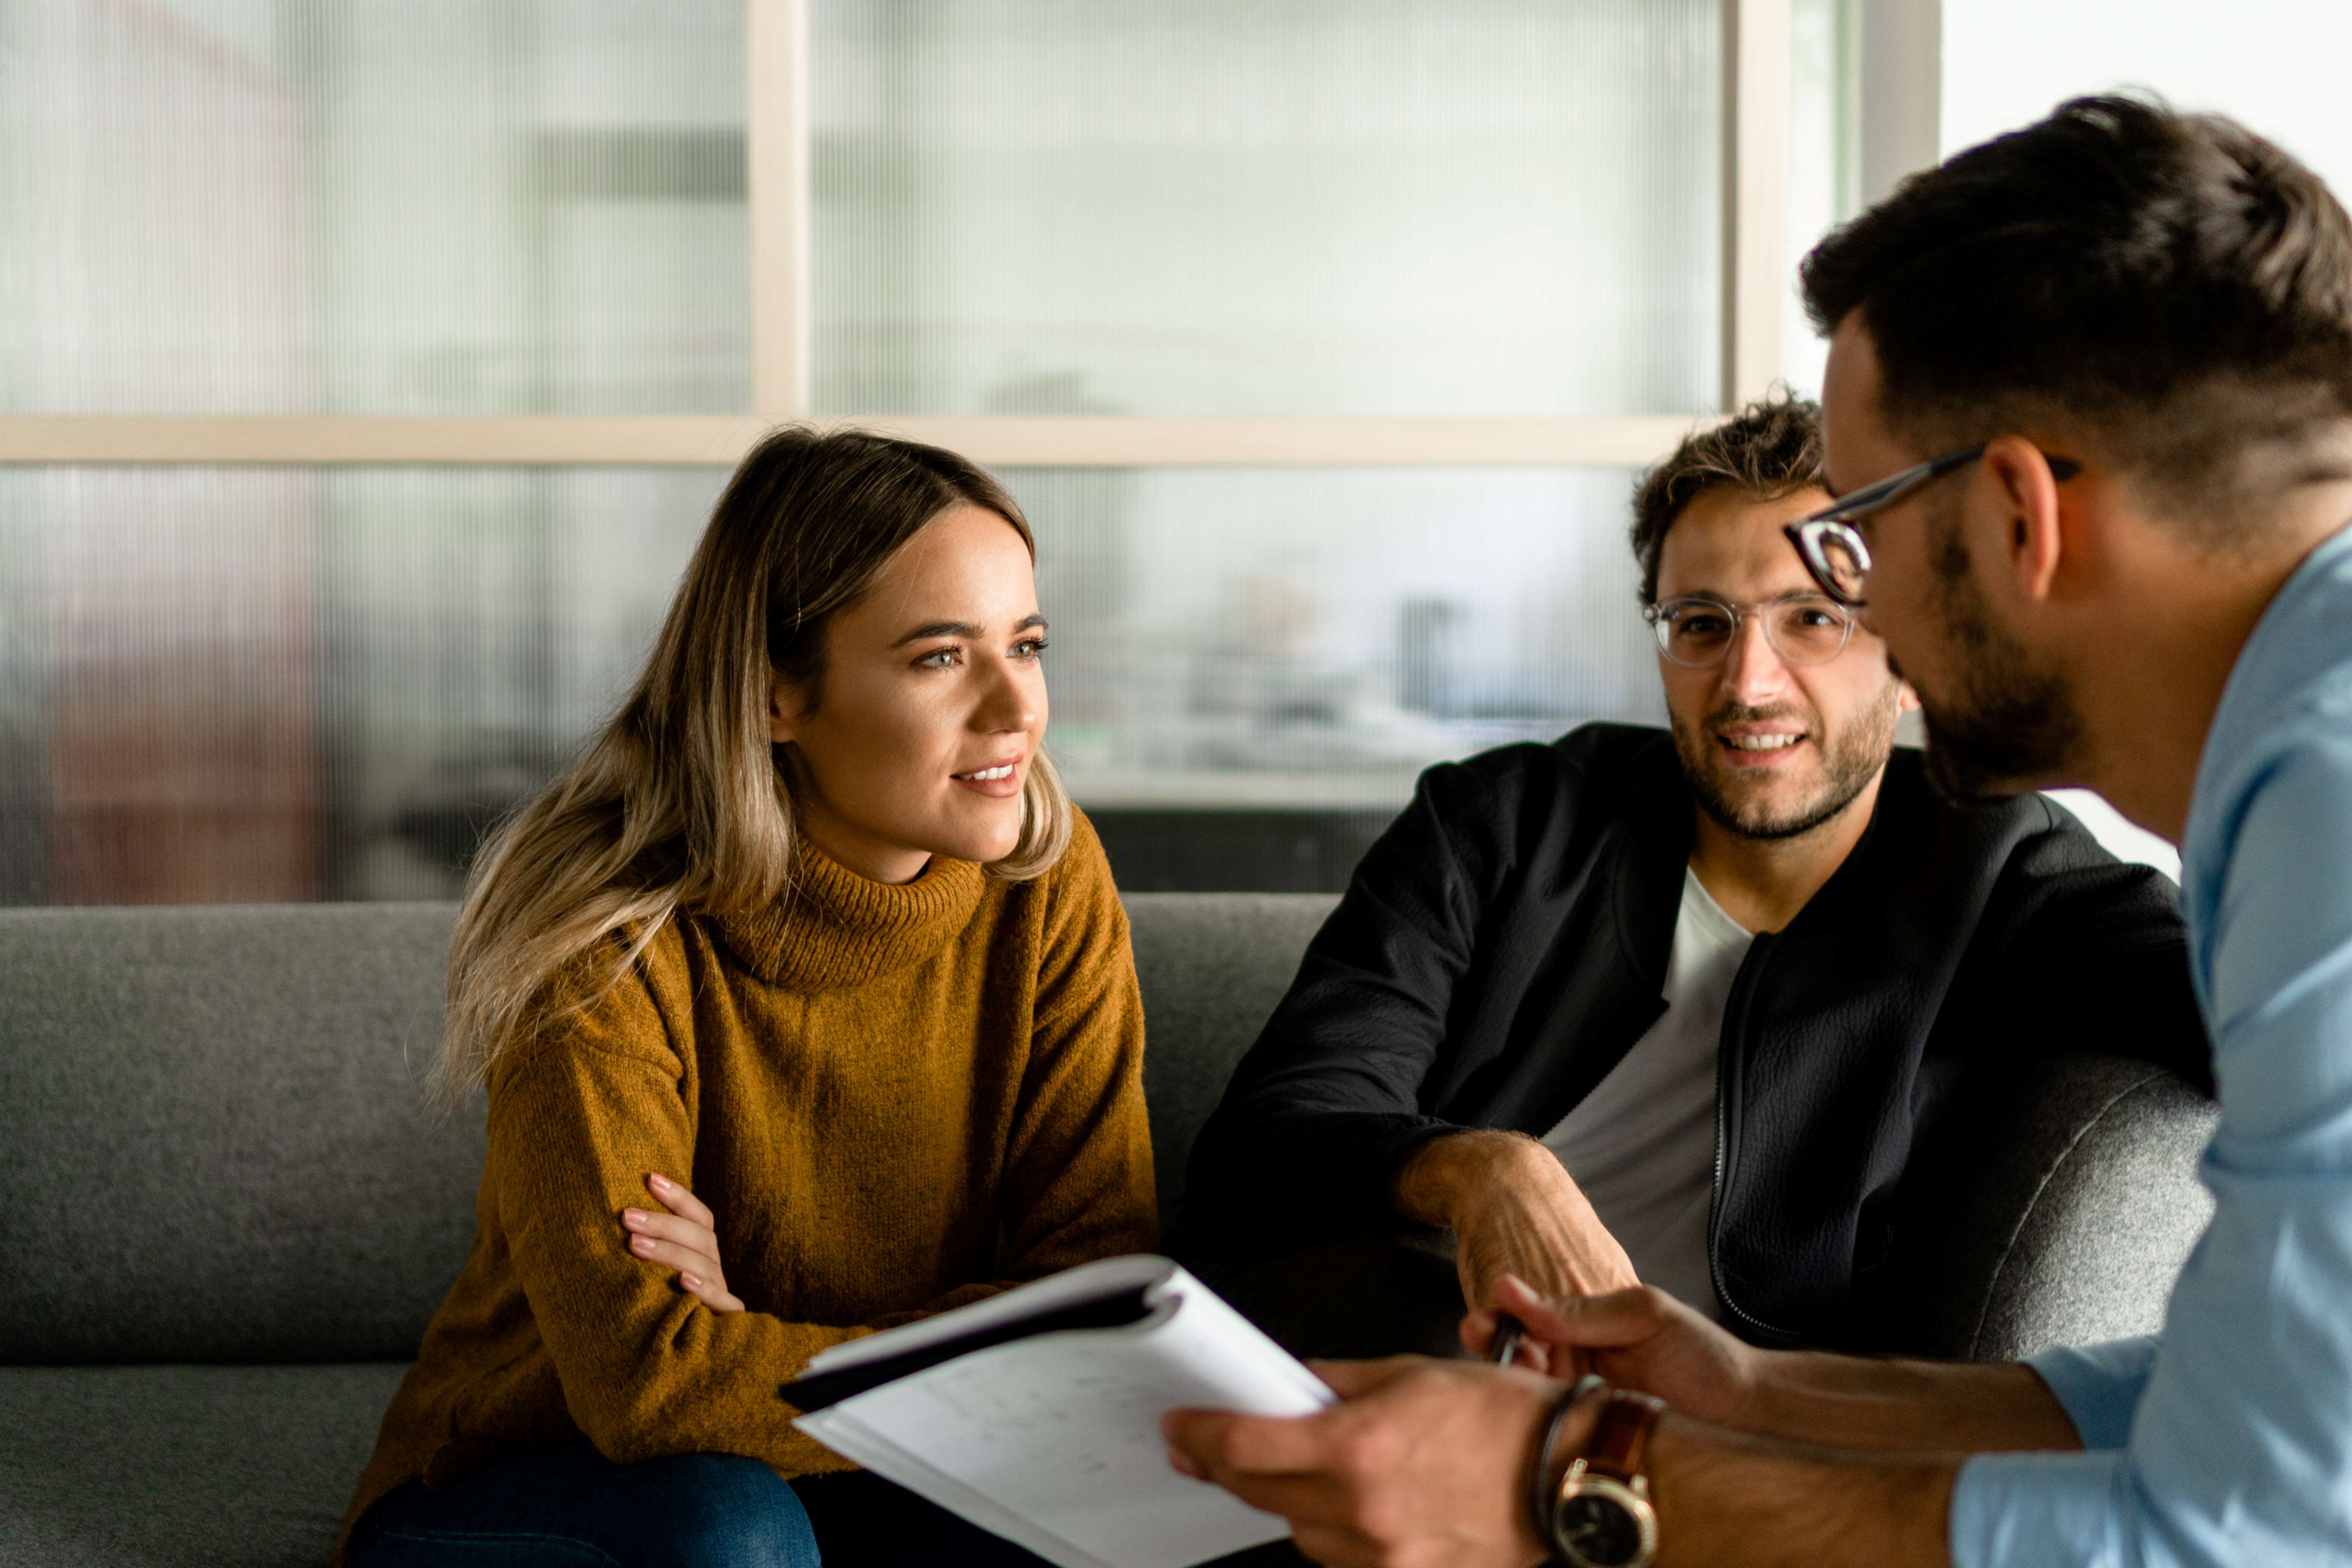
(1757, 71)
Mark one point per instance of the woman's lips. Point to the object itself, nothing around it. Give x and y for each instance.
(999, 780)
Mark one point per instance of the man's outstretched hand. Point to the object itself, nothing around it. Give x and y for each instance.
(1767, 1458)
(1641, 1339)
(1423, 1466)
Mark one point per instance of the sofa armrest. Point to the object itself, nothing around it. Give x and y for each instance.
(2055, 1208)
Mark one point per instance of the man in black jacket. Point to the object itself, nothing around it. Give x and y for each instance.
(1672, 1006)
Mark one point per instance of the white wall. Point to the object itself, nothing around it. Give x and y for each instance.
(2123, 839)
(2277, 65)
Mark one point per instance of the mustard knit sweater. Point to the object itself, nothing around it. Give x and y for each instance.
(895, 1099)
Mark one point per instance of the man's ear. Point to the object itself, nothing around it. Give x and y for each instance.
(2032, 539)
(1905, 699)
(785, 710)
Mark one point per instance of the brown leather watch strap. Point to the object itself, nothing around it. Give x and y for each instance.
(1620, 1434)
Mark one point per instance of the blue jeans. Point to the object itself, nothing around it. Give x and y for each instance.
(570, 1506)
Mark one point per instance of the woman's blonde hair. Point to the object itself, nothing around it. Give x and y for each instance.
(679, 805)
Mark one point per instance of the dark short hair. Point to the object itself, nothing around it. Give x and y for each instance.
(2171, 284)
(1769, 449)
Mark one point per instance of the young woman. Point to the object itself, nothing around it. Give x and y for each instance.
(810, 951)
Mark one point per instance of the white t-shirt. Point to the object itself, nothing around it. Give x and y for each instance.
(1641, 1145)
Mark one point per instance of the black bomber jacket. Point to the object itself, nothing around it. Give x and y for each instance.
(1505, 943)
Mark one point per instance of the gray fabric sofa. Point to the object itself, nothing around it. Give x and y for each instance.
(226, 1220)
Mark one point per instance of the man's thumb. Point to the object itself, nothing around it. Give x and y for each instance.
(1618, 1318)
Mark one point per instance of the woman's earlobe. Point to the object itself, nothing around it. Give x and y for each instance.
(782, 705)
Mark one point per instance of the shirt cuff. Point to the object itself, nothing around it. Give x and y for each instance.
(2037, 1511)
(2098, 1385)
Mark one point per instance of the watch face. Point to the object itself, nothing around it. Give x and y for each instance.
(1602, 1526)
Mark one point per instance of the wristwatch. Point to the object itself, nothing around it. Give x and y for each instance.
(1600, 1514)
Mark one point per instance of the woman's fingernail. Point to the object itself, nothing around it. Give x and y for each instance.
(1181, 1463)
(691, 1281)
(641, 1244)
(632, 1216)
(661, 1183)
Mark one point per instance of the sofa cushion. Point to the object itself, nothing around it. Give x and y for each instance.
(211, 1128)
(183, 1467)
(212, 1136)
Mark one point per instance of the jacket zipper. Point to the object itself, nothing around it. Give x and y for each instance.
(1743, 985)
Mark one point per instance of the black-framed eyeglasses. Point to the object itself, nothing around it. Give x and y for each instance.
(1697, 630)
(1833, 552)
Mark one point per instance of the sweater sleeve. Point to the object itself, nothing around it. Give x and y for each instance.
(1327, 1105)
(647, 1370)
(1078, 1167)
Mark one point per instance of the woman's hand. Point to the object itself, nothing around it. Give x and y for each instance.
(685, 1236)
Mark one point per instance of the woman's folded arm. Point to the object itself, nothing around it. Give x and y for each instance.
(646, 1369)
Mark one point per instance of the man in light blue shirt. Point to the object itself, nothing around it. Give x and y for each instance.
(2089, 408)
(2229, 1438)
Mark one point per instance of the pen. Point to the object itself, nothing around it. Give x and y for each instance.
(1508, 1333)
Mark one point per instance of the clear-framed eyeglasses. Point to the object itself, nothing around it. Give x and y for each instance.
(1697, 630)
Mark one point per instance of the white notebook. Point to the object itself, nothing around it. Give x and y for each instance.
(1035, 1413)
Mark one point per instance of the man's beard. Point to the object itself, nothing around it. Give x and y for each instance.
(1849, 762)
(2006, 721)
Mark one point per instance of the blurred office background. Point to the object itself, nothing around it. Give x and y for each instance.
(367, 369)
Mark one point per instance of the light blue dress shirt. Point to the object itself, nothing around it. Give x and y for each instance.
(2228, 1440)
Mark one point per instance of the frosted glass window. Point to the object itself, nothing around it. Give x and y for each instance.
(1314, 638)
(1223, 207)
(437, 206)
(223, 685)
(1822, 173)
(239, 684)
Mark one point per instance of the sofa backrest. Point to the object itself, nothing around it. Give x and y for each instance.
(1212, 966)
(214, 1147)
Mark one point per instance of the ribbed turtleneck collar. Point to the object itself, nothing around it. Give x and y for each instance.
(835, 928)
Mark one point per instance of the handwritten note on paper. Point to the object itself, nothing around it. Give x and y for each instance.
(1061, 1432)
